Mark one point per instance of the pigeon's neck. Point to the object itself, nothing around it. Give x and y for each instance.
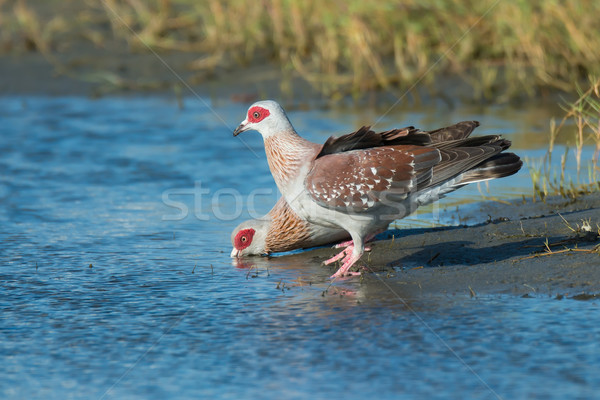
(287, 153)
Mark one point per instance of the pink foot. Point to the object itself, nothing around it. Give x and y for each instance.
(349, 261)
(341, 254)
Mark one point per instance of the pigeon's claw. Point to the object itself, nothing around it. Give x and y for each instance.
(342, 254)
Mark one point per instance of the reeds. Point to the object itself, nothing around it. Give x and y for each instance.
(502, 49)
(582, 121)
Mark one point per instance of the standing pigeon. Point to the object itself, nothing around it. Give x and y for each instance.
(281, 230)
(362, 181)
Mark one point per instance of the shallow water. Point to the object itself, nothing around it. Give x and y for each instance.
(117, 282)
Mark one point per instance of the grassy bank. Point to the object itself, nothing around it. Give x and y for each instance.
(502, 49)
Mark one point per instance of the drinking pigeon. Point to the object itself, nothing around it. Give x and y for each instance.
(281, 230)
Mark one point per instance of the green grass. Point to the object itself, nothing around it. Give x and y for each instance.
(503, 49)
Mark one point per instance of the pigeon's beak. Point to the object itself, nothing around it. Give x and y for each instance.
(243, 127)
(235, 253)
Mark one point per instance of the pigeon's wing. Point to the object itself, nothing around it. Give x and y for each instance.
(358, 181)
(365, 138)
(390, 165)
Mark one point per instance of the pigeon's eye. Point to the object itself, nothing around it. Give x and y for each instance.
(243, 238)
(257, 114)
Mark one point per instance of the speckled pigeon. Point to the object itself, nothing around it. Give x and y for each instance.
(281, 230)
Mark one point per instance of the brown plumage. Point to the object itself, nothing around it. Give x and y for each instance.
(287, 231)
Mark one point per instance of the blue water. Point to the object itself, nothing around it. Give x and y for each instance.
(116, 280)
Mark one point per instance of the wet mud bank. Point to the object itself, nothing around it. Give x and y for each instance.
(525, 249)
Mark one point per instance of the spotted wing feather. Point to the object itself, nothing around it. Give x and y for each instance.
(357, 181)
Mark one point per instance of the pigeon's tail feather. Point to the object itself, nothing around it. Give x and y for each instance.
(498, 166)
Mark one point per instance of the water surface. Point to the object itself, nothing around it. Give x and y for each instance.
(116, 280)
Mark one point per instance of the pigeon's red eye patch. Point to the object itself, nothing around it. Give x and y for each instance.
(243, 238)
(257, 114)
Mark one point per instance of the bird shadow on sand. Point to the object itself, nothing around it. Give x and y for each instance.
(449, 246)
(463, 252)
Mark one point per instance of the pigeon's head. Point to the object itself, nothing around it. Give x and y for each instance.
(249, 238)
(267, 117)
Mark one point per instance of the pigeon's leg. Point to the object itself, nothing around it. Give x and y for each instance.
(346, 244)
(350, 243)
(337, 246)
(368, 239)
(343, 244)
